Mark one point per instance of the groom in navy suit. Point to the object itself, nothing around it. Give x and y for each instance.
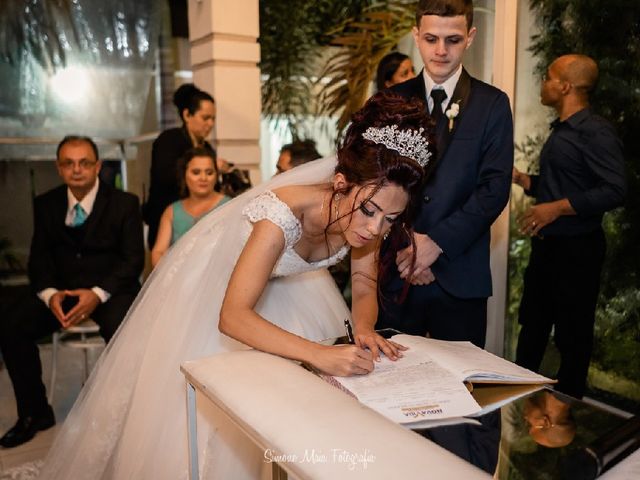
(86, 256)
(470, 186)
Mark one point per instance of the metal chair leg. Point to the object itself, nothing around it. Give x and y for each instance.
(54, 365)
(83, 337)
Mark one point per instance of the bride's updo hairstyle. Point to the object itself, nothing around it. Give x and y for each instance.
(368, 160)
(365, 162)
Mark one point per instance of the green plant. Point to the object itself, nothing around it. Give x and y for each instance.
(612, 37)
(292, 41)
(9, 263)
(362, 42)
(527, 155)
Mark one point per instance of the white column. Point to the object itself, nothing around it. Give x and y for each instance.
(504, 73)
(224, 57)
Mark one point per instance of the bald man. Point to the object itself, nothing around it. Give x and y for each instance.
(549, 419)
(581, 177)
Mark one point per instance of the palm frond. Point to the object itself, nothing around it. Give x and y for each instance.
(291, 42)
(362, 42)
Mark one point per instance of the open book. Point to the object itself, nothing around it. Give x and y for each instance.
(428, 382)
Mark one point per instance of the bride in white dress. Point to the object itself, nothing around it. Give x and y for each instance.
(254, 269)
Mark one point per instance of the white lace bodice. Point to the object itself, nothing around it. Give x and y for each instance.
(268, 206)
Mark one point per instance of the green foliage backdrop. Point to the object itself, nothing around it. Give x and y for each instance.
(292, 34)
(608, 31)
(303, 76)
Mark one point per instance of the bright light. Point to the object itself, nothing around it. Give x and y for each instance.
(70, 84)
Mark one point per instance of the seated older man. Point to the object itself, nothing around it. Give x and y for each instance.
(86, 257)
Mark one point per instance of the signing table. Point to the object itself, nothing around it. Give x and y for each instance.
(312, 428)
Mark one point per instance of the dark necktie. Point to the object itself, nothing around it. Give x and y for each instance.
(438, 95)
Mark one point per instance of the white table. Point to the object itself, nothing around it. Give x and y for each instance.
(319, 431)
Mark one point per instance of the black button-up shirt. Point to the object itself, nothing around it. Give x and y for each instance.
(582, 161)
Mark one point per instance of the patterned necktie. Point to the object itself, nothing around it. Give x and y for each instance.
(439, 96)
(79, 215)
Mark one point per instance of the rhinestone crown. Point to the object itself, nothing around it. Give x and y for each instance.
(408, 143)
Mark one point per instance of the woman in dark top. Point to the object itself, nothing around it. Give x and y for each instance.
(394, 68)
(197, 110)
(196, 179)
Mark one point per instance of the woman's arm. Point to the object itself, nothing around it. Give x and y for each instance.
(364, 288)
(239, 320)
(163, 239)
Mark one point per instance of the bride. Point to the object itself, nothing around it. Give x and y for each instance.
(254, 269)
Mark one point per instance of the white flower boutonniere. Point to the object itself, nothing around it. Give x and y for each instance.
(452, 113)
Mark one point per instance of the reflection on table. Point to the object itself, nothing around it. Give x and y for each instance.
(540, 436)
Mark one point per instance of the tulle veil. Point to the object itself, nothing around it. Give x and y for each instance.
(129, 421)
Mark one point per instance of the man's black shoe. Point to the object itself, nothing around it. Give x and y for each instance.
(26, 428)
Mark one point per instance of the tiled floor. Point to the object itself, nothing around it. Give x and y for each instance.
(68, 384)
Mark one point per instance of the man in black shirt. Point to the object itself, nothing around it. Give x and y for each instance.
(581, 177)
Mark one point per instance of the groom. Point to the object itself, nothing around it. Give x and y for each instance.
(469, 188)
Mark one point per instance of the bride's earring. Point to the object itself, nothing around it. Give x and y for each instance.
(336, 202)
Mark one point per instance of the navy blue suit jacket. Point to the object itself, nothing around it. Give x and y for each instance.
(470, 184)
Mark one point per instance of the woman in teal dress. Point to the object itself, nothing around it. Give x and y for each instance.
(196, 179)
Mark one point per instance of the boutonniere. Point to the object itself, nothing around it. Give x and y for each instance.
(452, 113)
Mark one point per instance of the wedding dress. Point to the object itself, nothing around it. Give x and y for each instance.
(129, 421)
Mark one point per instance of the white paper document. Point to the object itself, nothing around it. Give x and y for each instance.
(471, 363)
(427, 383)
(412, 389)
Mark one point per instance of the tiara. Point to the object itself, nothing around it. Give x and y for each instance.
(408, 143)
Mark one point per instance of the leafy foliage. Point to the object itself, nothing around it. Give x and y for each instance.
(363, 41)
(295, 40)
(527, 153)
(612, 38)
(609, 32)
(9, 263)
(291, 41)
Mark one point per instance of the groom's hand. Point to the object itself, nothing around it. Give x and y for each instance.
(427, 252)
(425, 278)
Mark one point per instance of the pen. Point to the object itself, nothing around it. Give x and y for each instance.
(347, 327)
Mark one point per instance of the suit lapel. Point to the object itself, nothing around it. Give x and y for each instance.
(461, 97)
(419, 88)
(98, 208)
(58, 212)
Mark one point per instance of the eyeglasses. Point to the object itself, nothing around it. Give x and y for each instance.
(83, 164)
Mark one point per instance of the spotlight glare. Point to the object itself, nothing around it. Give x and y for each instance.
(70, 84)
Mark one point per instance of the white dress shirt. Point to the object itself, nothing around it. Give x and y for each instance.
(449, 86)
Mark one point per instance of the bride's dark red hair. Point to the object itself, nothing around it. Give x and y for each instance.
(364, 163)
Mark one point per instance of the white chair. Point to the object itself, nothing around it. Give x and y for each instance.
(84, 336)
